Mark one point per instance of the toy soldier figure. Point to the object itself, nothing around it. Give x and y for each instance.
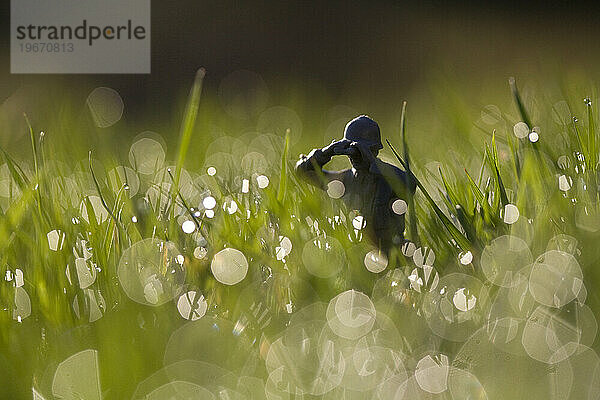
(371, 185)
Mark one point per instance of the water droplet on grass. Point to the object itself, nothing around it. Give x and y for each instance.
(563, 162)
(464, 300)
(19, 282)
(511, 214)
(335, 189)
(424, 279)
(444, 307)
(534, 137)
(565, 183)
(22, 304)
(408, 249)
(375, 261)
(229, 266)
(359, 222)
(521, 130)
(86, 272)
(465, 258)
(200, 252)
(399, 206)
(192, 305)
(284, 248)
(230, 206)
(56, 240)
(423, 256)
(263, 181)
(188, 226)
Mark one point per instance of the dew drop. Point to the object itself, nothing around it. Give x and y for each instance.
(188, 226)
(263, 181)
(209, 202)
(533, 137)
(399, 206)
(511, 214)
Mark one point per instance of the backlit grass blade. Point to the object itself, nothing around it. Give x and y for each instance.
(412, 215)
(449, 191)
(14, 216)
(516, 166)
(187, 127)
(496, 165)
(487, 210)
(460, 240)
(466, 220)
(582, 145)
(97, 185)
(283, 176)
(35, 165)
(14, 170)
(519, 102)
(591, 136)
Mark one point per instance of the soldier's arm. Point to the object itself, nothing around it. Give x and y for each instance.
(310, 167)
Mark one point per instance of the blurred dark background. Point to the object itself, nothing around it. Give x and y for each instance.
(361, 53)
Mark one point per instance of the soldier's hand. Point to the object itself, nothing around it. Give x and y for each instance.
(337, 148)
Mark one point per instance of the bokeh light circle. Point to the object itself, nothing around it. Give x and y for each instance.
(106, 106)
(503, 258)
(351, 314)
(151, 271)
(229, 266)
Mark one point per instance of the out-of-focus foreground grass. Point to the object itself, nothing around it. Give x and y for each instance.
(124, 261)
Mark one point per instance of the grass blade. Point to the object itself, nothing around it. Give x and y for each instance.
(97, 185)
(283, 176)
(15, 171)
(412, 217)
(519, 102)
(496, 165)
(187, 128)
(458, 237)
(481, 199)
(591, 136)
(466, 220)
(37, 187)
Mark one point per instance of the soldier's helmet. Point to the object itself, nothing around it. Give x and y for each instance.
(363, 129)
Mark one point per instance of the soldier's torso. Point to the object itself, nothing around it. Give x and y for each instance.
(372, 195)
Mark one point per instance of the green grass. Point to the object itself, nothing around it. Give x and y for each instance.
(459, 207)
